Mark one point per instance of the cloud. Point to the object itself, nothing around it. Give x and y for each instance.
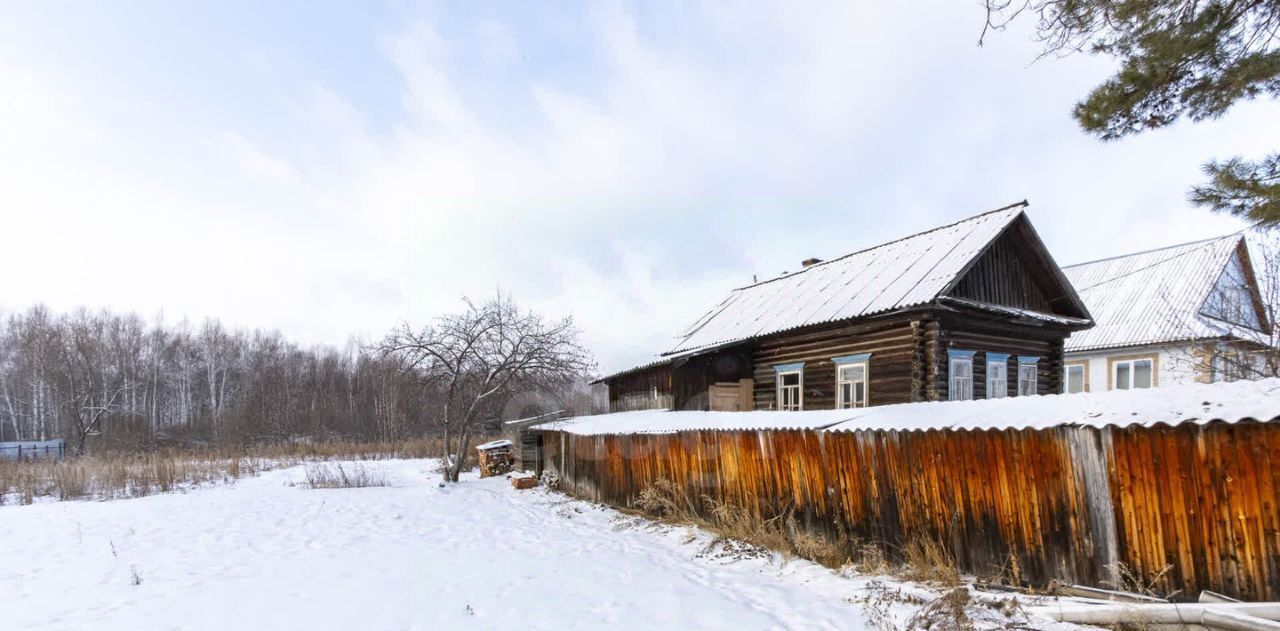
(627, 165)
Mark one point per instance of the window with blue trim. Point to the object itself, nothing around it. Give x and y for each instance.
(852, 379)
(790, 384)
(960, 375)
(997, 375)
(1028, 376)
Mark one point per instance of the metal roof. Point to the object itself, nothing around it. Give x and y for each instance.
(907, 272)
(1150, 297)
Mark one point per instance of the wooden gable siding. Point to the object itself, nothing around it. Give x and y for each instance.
(894, 343)
(1004, 276)
(1017, 271)
(969, 332)
(647, 389)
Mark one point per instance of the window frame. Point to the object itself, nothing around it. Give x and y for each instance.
(961, 357)
(848, 362)
(1000, 390)
(782, 371)
(1029, 364)
(1084, 376)
(1113, 370)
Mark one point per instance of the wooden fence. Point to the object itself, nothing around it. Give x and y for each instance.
(1066, 503)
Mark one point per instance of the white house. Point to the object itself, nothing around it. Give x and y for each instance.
(1181, 314)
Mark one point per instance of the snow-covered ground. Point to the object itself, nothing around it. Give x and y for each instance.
(268, 553)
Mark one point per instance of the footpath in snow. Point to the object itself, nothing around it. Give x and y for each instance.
(268, 553)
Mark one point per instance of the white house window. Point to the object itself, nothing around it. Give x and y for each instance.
(852, 377)
(1073, 378)
(1132, 373)
(790, 387)
(1028, 375)
(997, 375)
(960, 369)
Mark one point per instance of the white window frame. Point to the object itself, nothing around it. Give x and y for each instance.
(865, 365)
(790, 369)
(997, 376)
(1066, 378)
(959, 388)
(1132, 364)
(1028, 376)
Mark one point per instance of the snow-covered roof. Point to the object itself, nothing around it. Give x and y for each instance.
(1150, 297)
(1197, 403)
(494, 444)
(910, 271)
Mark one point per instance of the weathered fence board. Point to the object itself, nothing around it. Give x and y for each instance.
(1066, 503)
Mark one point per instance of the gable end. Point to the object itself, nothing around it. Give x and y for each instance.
(1016, 271)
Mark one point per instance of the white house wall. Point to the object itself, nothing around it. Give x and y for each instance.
(1175, 364)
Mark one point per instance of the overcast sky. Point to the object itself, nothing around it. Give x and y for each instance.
(330, 169)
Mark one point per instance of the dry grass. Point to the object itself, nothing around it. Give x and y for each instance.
(114, 476)
(1129, 580)
(923, 559)
(665, 501)
(928, 561)
(352, 475)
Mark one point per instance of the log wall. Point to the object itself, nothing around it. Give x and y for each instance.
(964, 331)
(1064, 503)
(891, 341)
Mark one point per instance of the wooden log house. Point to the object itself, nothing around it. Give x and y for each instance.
(974, 309)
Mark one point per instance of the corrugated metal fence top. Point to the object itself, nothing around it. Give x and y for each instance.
(665, 422)
(1172, 405)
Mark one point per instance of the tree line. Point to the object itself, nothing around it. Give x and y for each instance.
(117, 381)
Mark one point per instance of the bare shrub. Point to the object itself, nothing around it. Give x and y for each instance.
(349, 476)
(135, 576)
(950, 612)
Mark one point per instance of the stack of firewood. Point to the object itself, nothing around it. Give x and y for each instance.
(495, 458)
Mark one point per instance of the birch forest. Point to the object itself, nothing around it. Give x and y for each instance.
(104, 380)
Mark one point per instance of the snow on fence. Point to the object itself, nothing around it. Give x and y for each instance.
(32, 450)
(1065, 501)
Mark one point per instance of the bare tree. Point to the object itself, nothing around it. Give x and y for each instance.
(483, 356)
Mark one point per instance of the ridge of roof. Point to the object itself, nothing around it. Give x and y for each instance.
(1022, 204)
(757, 307)
(1153, 250)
